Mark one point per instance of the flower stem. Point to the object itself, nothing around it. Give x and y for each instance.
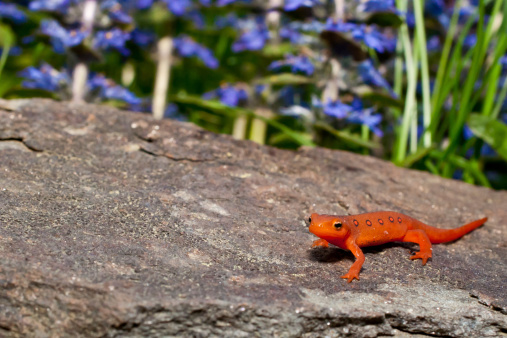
(80, 72)
(163, 76)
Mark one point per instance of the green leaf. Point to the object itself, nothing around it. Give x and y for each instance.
(6, 41)
(8, 82)
(219, 108)
(382, 99)
(418, 155)
(17, 93)
(491, 131)
(283, 140)
(285, 79)
(470, 168)
(384, 19)
(278, 50)
(350, 138)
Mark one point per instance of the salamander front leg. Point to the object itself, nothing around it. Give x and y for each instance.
(320, 242)
(356, 267)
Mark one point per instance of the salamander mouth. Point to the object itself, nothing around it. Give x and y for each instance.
(319, 231)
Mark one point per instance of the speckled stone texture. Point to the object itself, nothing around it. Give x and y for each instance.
(113, 224)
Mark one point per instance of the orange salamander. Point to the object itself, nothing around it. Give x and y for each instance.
(375, 228)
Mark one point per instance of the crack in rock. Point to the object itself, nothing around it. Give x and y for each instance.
(174, 158)
(27, 145)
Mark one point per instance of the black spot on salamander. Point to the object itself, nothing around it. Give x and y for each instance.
(381, 221)
(391, 219)
(356, 223)
(368, 223)
(399, 219)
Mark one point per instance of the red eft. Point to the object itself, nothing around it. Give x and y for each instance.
(375, 228)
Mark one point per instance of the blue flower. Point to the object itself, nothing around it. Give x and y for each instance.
(379, 6)
(178, 7)
(486, 149)
(433, 44)
(121, 94)
(353, 113)
(187, 47)
(410, 19)
(372, 77)
(115, 11)
(172, 112)
(339, 26)
(366, 117)
(370, 36)
(465, 12)
(230, 20)
(292, 5)
(10, 11)
(260, 88)
(437, 9)
(207, 57)
(62, 38)
(108, 89)
(13, 51)
(297, 64)
(99, 81)
(253, 39)
(293, 31)
(45, 78)
(337, 109)
(196, 18)
(373, 39)
(59, 6)
(291, 34)
(312, 26)
(113, 39)
(222, 3)
(142, 38)
(434, 7)
(228, 94)
(503, 60)
(470, 41)
(143, 4)
(287, 95)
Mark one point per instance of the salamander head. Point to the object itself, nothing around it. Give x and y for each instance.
(329, 227)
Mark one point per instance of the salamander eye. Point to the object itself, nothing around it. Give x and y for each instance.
(310, 220)
(337, 225)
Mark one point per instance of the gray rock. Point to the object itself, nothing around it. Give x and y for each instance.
(113, 224)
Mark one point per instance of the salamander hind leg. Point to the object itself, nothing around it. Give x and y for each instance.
(353, 273)
(419, 237)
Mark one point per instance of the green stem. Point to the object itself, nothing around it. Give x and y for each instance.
(500, 99)
(365, 136)
(425, 76)
(398, 75)
(410, 104)
(442, 67)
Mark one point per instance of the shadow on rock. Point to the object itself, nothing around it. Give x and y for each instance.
(329, 255)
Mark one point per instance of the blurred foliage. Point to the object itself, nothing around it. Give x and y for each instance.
(421, 83)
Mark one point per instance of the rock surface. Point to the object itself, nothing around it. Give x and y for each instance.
(113, 224)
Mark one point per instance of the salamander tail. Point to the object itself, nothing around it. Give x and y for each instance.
(448, 235)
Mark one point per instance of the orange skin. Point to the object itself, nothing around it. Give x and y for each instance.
(375, 228)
